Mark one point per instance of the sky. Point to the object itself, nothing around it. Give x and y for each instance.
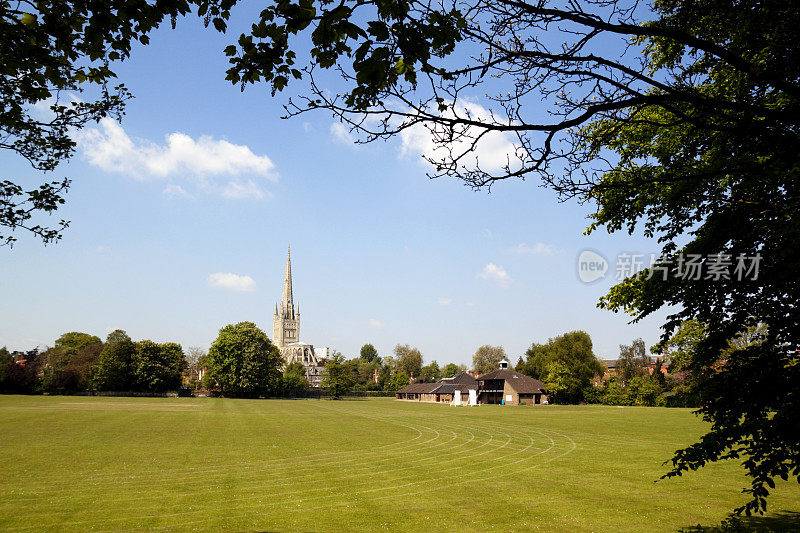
(181, 216)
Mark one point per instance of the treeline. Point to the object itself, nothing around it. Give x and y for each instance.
(667, 376)
(370, 372)
(242, 362)
(572, 374)
(80, 362)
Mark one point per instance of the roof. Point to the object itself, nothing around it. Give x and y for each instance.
(450, 388)
(463, 377)
(519, 382)
(419, 388)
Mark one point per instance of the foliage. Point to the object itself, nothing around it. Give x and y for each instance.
(487, 358)
(559, 382)
(244, 362)
(450, 370)
(157, 367)
(682, 344)
(6, 362)
(21, 377)
(398, 381)
(71, 343)
(337, 377)
(295, 383)
(430, 373)
(59, 374)
(195, 361)
(633, 360)
(365, 374)
(369, 354)
(409, 360)
(115, 369)
(567, 361)
(78, 373)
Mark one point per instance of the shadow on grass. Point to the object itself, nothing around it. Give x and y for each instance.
(778, 522)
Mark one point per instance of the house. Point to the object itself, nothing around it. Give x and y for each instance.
(442, 391)
(509, 387)
(502, 386)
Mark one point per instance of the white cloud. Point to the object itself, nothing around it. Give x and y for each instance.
(175, 191)
(493, 151)
(232, 282)
(341, 135)
(497, 274)
(539, 248)
(470, 304)
(110, 148)
(444, 300)
(375, 323)
(239, 191)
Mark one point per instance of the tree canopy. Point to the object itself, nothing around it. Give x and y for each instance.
(565, 363)
(337, 377)
(487, 358)
(409, 359)
(115, 369)
(244, 362)
(368, 353)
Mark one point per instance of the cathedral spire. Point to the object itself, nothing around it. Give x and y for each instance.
(286, 299)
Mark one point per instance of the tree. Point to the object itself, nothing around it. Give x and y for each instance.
(56, 361)
(366, 374)
(682, 344)
(195, 360)
(244, 362)
(559, 382)
(398, 381)
(71, 343)
(337, 376)
(676, 119)
(23, 376)
(294, 380)
(430, 373)
(566, 361)
(51, 52)
(487, 358)
(369, 353)
(157, 367)
(450, 370)
(633, 360)
(115, 369)
(6, 362)
(409, 360)
(78, 374)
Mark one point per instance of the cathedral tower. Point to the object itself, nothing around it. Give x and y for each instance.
(286, 321)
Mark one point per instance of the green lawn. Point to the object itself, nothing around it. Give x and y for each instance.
(80, 463)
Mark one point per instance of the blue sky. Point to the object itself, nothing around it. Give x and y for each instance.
(201, 180)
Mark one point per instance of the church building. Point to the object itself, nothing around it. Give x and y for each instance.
(286, 332)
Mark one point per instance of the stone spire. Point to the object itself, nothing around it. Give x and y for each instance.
(286, 322)
(286, 299)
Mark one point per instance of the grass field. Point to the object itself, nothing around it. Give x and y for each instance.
(80, 463)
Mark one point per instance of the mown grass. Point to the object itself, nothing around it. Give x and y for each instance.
(80, 463)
